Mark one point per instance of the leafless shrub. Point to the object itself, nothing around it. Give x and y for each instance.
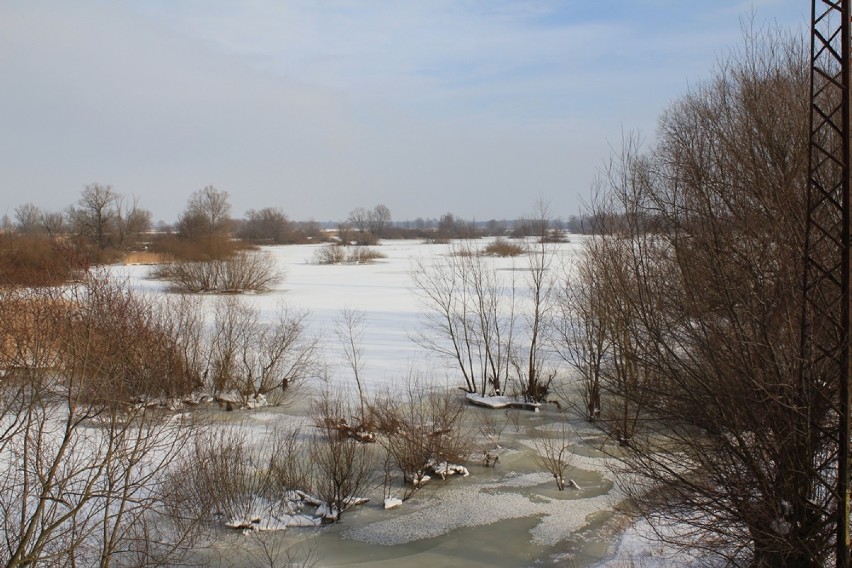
(223, 478)
(340, 254)
(484, 324)
(533, 372)
(469, 317)
(580, 333)
(420, 432)
(491, 426)
(330, 254)
(363, 255)
(181, 318)
(554, 454)
(343, 467)
(245, 271)
(253, 358)
(262, 552)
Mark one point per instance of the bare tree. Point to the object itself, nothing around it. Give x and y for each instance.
(701, 269)
(580, 333)
(94, 216)
(207, 214)
(360, 219)
(470, 317)
(343, 466)
(535, 377)
(253, 358)
(28, 219)
(379, 219)
(131, 221)
(350, 330)
(554, 454)
(628, 261)
(53, 223)
(268, 225)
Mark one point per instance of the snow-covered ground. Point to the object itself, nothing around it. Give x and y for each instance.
(383, 292)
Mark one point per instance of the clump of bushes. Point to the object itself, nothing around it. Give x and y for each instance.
(363, 255)
(251, 358)
(504, 248)
(223, 478)
(330, 254)
(39, 260)
(106, 345)
(245, 271)
(338, 254)
(423, 435)
(554, 236)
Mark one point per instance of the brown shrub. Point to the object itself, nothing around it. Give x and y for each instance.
(28, 328)
(424, 429)
(502, 247)
(115, 348)
(102, 342)
(38, 260)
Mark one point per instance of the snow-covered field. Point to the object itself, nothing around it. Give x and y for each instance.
(382, 291)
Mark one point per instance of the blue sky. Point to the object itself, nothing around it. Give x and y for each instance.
(478, 107)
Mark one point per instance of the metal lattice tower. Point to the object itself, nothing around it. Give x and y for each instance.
(825, 329)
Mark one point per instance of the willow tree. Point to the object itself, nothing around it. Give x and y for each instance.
(701, 271)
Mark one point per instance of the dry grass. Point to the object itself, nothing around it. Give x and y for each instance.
(213, 247)
(146, 258)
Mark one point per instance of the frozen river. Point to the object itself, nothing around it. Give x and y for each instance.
(509, 515)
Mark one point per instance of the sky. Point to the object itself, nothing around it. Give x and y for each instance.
(482, 108)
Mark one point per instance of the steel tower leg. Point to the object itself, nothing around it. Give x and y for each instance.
(825, 327)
